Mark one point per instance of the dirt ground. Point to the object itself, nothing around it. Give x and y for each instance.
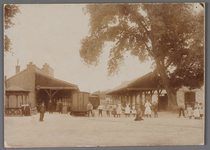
(63, 130)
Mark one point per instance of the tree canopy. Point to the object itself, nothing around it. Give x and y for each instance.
(10, 10)
(171, 35)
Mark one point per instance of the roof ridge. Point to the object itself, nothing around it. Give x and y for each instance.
(57, 79)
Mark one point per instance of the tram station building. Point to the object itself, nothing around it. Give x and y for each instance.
(33, 86)
(138, 91)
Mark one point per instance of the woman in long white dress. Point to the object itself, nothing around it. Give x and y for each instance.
(147, 109)
(127, 110)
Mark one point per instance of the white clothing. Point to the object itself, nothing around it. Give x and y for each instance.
(147, 110)
(127, 110)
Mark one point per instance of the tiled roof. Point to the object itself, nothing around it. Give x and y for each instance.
(16, 88)
(129, 84)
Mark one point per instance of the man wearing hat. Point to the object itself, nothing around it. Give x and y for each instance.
(42, 111)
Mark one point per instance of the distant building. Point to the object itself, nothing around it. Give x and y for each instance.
(34, 85)
(189, 97)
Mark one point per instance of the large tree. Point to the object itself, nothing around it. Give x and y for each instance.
(10, 10)
(171, 35)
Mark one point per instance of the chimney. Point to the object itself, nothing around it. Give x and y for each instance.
(17, 67)
(48, 70)
(30, 64)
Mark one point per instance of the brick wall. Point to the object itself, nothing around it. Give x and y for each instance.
(25, 80)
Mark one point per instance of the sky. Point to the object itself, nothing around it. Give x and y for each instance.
(52, 34)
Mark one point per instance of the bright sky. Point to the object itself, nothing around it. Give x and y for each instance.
(51, 34)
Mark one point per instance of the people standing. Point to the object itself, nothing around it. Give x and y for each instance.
(50, 107)
(107, 111)
(189, 111)
(89, 109)
(155, 109)
(42, 111)
(147, 109)
(196, 112)
(181, 107)
(133, 110)
(127, 110)
(201, 111)
(100, 109)
(114, 110)
(60, 107)
(119, 110)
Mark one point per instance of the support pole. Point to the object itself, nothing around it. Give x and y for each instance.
(16, 101)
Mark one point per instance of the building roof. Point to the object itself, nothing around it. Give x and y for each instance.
(47, 80)
(147, 82)
(15, 88)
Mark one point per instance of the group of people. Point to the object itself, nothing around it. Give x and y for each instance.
(116, 110)
(193, 112)
(50, 107)
(146, 110)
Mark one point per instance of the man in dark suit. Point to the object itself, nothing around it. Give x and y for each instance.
(42, 111)
(50, 107)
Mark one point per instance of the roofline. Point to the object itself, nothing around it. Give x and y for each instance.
(16, 74)
(139, 78)
(25, 70)
(129, 84)
(57, 79)
(59, 88)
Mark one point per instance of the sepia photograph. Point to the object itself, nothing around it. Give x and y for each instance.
(104, 75)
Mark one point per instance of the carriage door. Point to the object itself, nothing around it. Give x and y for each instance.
(189, 98)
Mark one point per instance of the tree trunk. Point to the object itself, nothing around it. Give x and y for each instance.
(172, 102)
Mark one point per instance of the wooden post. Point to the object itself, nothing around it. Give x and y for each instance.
(16, 101)
(140, 99)
(7, 101)
(22, 99)
(25, 99)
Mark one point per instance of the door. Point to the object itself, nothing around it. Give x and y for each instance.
(163, 102)
(189, 98)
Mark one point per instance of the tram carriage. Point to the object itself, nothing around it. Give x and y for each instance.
(79, 103)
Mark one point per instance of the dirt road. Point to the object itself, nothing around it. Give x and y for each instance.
(63, 130)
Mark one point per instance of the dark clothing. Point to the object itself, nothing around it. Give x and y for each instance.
(50, 107)
(107, 113)
(100, 112)
(42, 111)
(60, 107)
(181, 110)
(138, 116)
(155, 108)
(114, 111)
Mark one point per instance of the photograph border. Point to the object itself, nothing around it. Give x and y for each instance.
(207, 70)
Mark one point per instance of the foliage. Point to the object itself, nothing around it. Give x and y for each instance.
(171, 35)
(10, 10)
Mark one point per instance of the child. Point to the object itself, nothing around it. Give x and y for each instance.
(133, 110)
(147, 110)
(127, 110)
(201, 111)
(119, 110)
(139, 116)
(192, 114)
(196, 113)
(189, 111)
